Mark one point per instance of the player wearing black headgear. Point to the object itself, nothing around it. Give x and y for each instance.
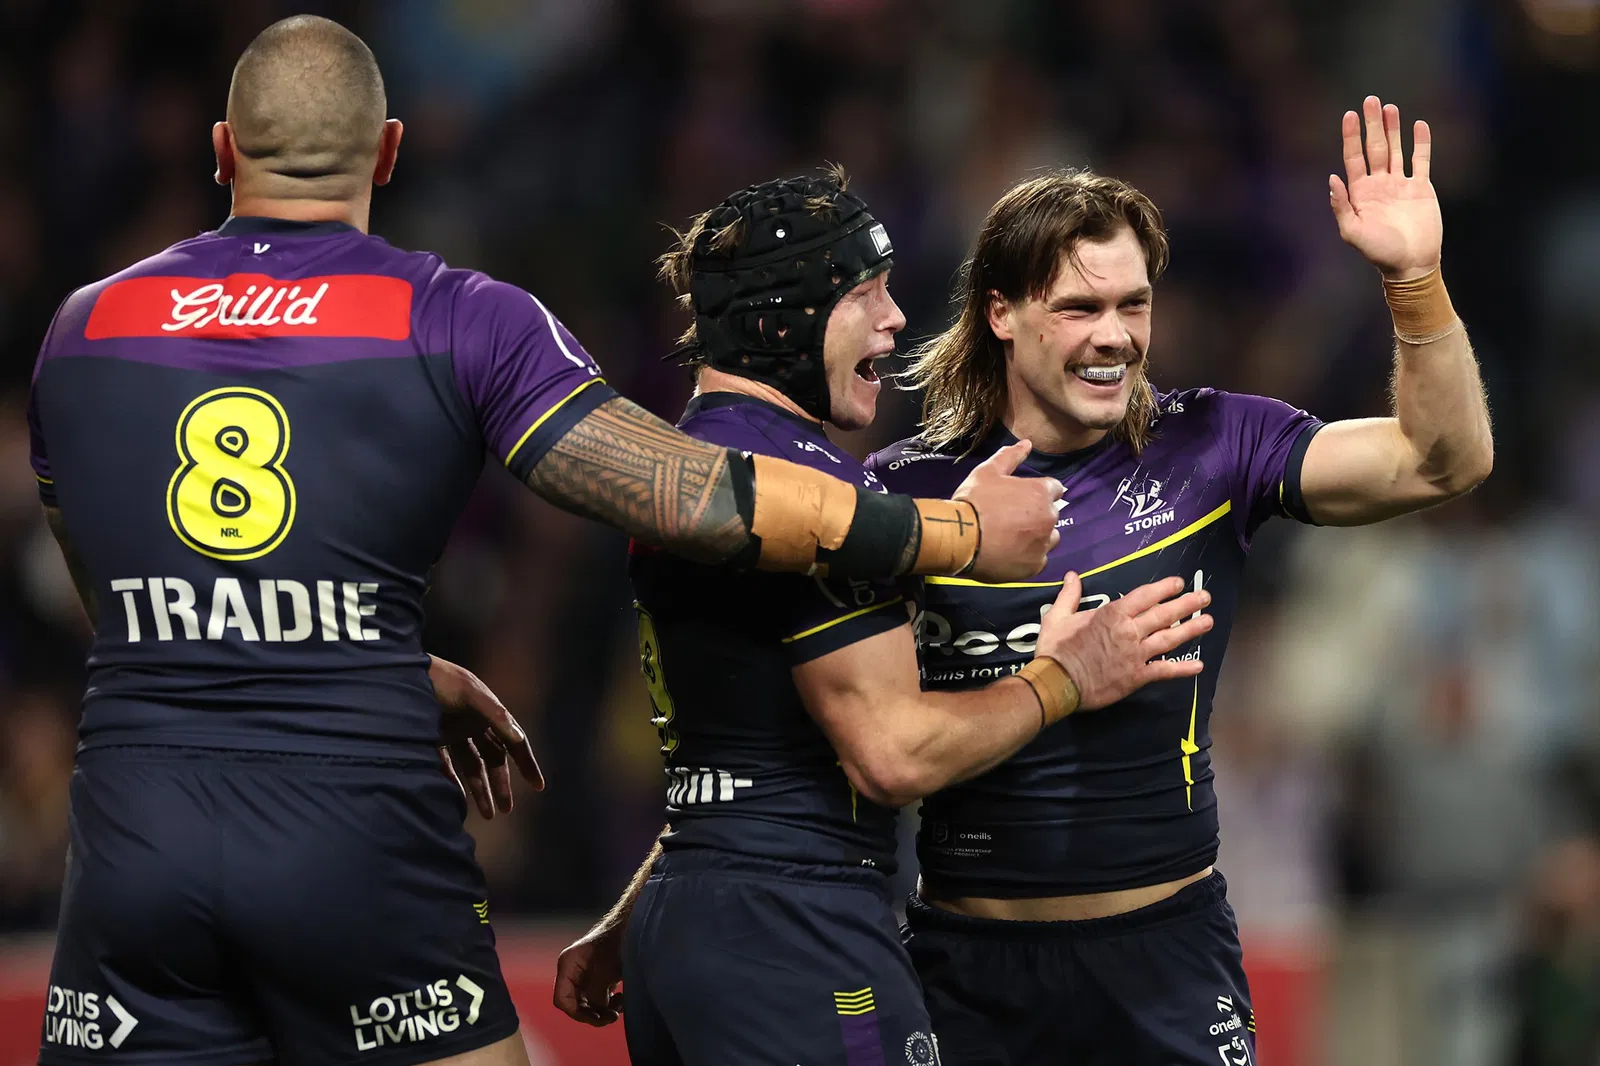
(791, 718)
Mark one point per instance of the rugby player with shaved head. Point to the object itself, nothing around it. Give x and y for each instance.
(1069, 909)
(251, 448)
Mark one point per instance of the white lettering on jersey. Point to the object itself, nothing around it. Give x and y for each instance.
(686, 785)
(169, 598)
(416, 1015)
(256, 306)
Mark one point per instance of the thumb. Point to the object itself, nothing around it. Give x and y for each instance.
(1339, 199)
(1007, 459)
(1071, 592)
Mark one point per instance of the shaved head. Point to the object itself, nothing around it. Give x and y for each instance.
(307, 108)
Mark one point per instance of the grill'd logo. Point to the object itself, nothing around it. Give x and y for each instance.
(244, 306)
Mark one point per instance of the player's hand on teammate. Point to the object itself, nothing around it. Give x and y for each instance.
(476, 737)
(1391, 219)
(587, 975)
(1017, 514)
(1108, 651)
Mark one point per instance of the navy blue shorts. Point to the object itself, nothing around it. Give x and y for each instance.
(740, 960)
(225, 908)
(1160, 986)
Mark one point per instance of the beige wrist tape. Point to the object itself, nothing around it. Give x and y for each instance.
(797, 511)
(1058, 693)
(950, 537)
(1421, 308)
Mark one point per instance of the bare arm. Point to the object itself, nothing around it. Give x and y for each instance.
(80, 573)
(898, 743)
(1437, 444)
(588, 971)
(627, 468)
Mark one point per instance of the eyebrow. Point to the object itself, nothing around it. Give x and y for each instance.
(1074, 299)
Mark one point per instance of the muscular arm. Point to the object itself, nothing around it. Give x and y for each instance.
(1435, 446)
(80, 574)
(625, 467)
(898, 743)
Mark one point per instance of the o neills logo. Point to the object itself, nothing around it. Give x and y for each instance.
(246, 306)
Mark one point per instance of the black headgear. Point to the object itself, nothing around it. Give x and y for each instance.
(761, 308)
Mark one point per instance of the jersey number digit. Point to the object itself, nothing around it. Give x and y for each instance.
(650, 666)
(230, 497)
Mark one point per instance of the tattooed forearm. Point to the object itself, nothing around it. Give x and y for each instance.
(625, 467)
(80, 574)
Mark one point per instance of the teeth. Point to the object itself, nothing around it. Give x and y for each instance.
(1105, 375)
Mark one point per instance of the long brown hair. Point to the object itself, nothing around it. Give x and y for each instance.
(1018, 254)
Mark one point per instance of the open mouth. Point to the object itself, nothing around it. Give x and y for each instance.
(1102, 376)
(865, 370)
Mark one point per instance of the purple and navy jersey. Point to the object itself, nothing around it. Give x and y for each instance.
(260, 439)
(748, 770)
(1121, 797)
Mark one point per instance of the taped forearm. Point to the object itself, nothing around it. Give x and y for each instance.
(802, 520)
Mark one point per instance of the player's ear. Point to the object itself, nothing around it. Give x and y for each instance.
(998, 310)
(222, 145)
(388, 150)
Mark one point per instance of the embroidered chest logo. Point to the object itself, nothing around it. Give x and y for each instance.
(1141, 494)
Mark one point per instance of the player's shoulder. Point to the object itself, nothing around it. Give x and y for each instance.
(917, 466)
(733, 420)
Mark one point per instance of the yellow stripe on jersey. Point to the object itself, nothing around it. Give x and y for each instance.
(1187, 531)
(45, 480)
(1189, 747)
(852, 1003)
(512, 454)
(845, 618)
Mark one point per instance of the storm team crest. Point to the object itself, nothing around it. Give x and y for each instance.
(1141, 494)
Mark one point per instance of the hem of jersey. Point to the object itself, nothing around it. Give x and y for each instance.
(259, 1050)
(1183, 905)
(416, 1054)
(694, 859)
(981, 888)
(137, 737)
(548, 429)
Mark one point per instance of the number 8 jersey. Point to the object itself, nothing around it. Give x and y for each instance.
(259, 440)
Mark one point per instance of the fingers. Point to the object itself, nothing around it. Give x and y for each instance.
(476, 776)
(450, 769)
(1170, 670)
(1377, 143)
(494, 758)
(1355, 162)
(1164, 614)
(1421, 150)
(1170, 638)
(1145, 597)
(1071, 592)
(1391, 133)
(1007, 459)
(521, 753)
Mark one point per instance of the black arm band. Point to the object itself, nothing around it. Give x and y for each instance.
(881, 532)
(743, 473)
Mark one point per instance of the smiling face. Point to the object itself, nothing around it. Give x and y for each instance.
(1075, 354)
(860, 330)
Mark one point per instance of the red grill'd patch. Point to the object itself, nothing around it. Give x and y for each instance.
(246, 306)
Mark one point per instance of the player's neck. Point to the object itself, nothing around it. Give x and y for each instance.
(1050, 430)
(713, 380)
(351, 212)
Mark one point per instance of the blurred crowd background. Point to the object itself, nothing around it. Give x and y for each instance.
(1407, 741)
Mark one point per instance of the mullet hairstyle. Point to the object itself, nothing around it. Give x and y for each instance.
(675, 267)
(1028, 235)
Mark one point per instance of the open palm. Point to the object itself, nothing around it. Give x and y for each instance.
(1391, 219)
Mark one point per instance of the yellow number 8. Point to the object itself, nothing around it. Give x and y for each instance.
(650, 666)
(230, 497)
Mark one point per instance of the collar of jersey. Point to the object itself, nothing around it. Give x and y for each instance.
(708, 401)
(244, 225)
(1046, 464)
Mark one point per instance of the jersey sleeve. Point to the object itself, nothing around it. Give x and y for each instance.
(38, 451)
(1267, 441)
(525, 375)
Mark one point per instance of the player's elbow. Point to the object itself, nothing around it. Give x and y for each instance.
(1467, 470)
(886, 779)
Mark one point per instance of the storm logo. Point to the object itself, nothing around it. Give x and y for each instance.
(1141, 494)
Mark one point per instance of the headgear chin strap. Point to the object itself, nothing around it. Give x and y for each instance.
(761, 308)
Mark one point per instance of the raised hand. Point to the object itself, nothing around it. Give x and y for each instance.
(1017, 515)
(1391, 219)
(1108, 651)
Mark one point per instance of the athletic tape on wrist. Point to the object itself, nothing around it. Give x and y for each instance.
(1421, 308)
(1057, 692)
(950, 537)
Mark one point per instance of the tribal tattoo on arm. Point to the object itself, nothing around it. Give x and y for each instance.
(623, 466)
(79, 572)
